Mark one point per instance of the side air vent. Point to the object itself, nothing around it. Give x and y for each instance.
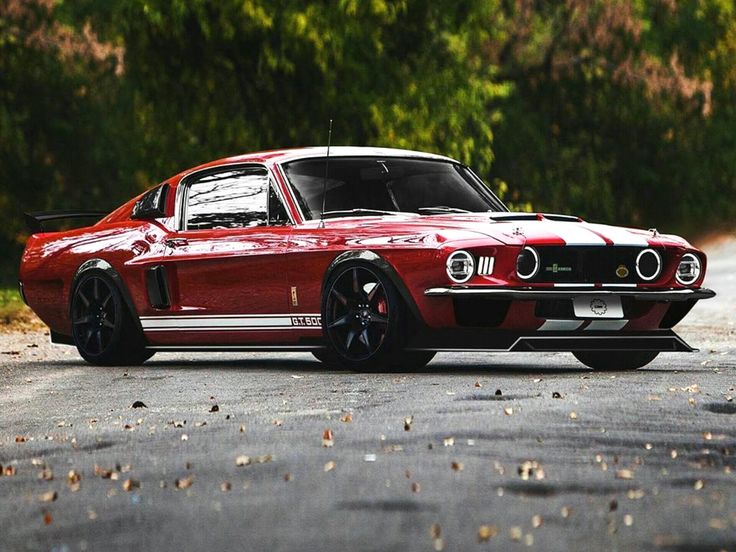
(158, 287)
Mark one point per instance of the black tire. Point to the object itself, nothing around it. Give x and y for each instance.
(103, 328)
(615, 360)
(363, 317)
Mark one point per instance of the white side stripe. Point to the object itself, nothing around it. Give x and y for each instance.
(231, 322)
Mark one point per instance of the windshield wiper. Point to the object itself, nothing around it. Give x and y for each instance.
(442, 209)
(367, 212)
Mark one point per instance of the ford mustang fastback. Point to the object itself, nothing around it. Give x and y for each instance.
(369, 258)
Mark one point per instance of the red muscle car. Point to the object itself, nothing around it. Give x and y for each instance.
(369, 258)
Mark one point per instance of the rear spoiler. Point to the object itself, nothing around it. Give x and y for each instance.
(35, 220)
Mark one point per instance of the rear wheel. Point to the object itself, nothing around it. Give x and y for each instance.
(102, 326)
(362, 316)
(615, 360)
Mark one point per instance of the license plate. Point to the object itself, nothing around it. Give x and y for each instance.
(592, 306)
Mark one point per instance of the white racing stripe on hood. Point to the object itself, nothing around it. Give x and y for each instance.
(575, 233)
(620, 236)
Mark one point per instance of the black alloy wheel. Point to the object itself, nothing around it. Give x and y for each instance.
(102, 327)
(94, 316)
(359, 313)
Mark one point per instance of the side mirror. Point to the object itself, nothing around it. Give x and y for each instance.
(152, 204)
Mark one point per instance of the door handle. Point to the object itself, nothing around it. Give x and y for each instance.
(176, 242)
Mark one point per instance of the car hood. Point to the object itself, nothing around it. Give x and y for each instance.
(512, 229)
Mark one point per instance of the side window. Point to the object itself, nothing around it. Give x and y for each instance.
(236, 198)
(277, 215)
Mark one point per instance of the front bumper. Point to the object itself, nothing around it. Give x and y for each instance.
(533, 294)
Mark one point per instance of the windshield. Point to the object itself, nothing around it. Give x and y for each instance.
(375, 186)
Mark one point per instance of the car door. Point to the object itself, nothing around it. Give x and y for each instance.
(226, 263)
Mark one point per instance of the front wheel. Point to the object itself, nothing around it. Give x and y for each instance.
(362, 316)
(102, 325)
(615, 360)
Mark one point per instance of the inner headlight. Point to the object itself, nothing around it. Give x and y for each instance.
(460, 266)
(688, 271)
(527, 263)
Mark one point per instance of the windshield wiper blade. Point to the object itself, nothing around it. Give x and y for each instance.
(367, 212)
(442, 209)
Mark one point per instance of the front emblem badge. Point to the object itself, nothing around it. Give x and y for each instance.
(622, 271)
(598, 307)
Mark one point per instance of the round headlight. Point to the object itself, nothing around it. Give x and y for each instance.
(527, 263)
(688, 271)
(460, 266)
(648, 265)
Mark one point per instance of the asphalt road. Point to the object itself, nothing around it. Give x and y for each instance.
(641, 460)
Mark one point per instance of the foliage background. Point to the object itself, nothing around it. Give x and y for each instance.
(617, 110)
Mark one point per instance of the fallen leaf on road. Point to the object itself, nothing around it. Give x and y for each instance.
(699, 484)
(215, 408)
(225, 486)
(416, 487)
(531, 470)
(9, 471)
(139, 404)
(486, 532)
(277, 422)
(20, 439)
(407, 422)
(573, 415)
(327, 440)
(329, 466)
(49, 496)
(435, 531)
(242, 429)
(288, 477)
(707, 435)
(242, 460)
(613, 505)
(537, 521)
(508, 411)
(48, 519)
(457, 466)
(478, 384)
(130, 484)
(184, 482)
(347, 418)
(624, 474)
(46, 474)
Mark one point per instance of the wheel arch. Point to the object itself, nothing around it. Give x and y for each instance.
(101, 265)
(377, 261)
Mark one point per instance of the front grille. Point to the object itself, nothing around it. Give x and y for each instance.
(588, 265)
